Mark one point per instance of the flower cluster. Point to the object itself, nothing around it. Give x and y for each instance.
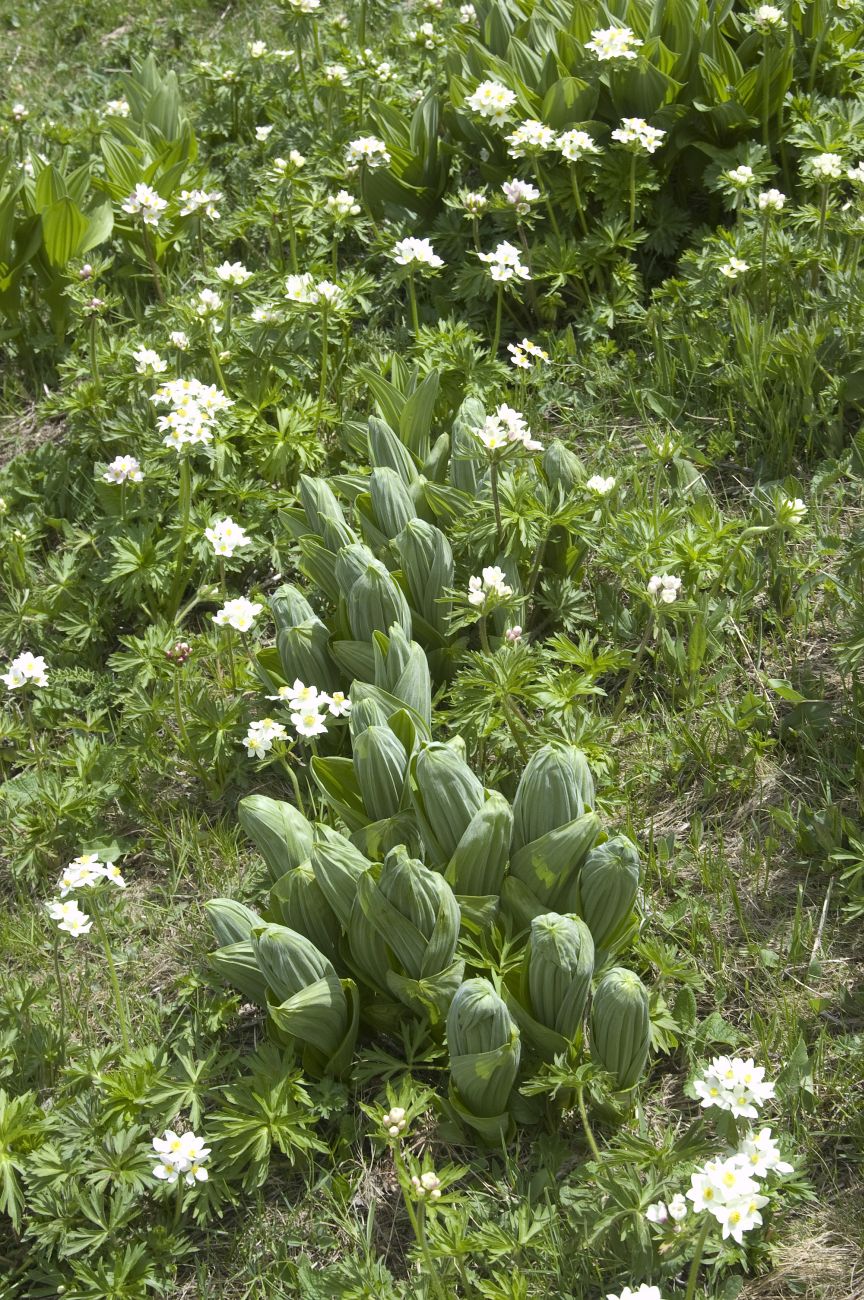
(179, 1154)
(87, 870)
(602, 486)
(239, 613)
(734, 267)
(530, 137)
(664, 587)
(116, 108)
(308, 706)
(25, 668)
(826, 167)
(740, 177)
(367, 149)
(525, 354)
(767, 18)
(576, 145)
(394, 1121)
(637, 135)
(492, 100)
(233, 273)
(303, 290)
(735, 1085)
(70, 918)
(428, 1184)
(490, 586)
(200, 202)
(148, 362)
(609, 43)
(504, 264)
(123, 469)
(194, 407)
(520, 194)
(789, 511)
(146, 203)
(771, 201)
(226, 537)
(260, 737)
(342, 205)
(416, 252)
(504, 428)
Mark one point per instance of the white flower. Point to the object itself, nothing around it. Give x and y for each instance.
(739, 1217)
(520, 194)
(80, 874)
(525, 353)
(180, 339)
(383, 71)
(239, 613)
(303, 697)
(492, 100)
(416, 252)
(261, 736)
(200, 201)
(70, 918)
(677, 1208)
(329, 293)
(657, 1213)
(664, 587)
(265, 314)
(504, 264)
(394, 1120)
(308, 722)
(25, 668)
(602, 486)
(112, 872)
(335, 74)
(643, 1292)
(826, 166)
(257, 49)
(209, 303)
(767, 18)
(298, 288)
(733, 1084)
(613, 43)
(144, 201)
(790, 511)
(194, 407)
(19, 113)
(338, 704)
(181, 1154)
(427, 1184)
(856, 173)
(342, 205)
(426, 36)
(771, 201)
(116, 108)
(233, 273)
(148, 362)
(530, 137)
(262, 133)
(305, 6)
(367, 149)
(760, 1155)
(490, 586)
(226, 537)
(576, 145)
(741, 176)
(734, 267)
(467, 15)
(637, 134)
(123, 469)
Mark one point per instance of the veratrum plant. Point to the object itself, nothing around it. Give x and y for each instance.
(608, 885)
(620, 1029)
(415, 913)
(484, 1047)
(548, 995)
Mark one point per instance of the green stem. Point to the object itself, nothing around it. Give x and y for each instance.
(94, 352)
(577, 199)
(509, 712)
(178, 1201)
(697, 1257)
(412, 299)
(61, 995)
(217, 365)
(765, 222)
(632, 226)
(183, 733)
(766, 86)
(302, 70)
(112, 975)
(586, 1127)
(499, 307)
(634, 667)
(544, 189)
(417, 1224)
(292, 776)
(820, 234)
(322, 383)
(184, 507)
(292, 230)
(27, 706)
(493, 487)
(151, 260)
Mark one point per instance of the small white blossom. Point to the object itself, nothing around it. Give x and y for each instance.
(123, 469)
(367, 149)
(664, 587)
(734, 267)
(338, 704)
(520, 194)
(608, 43)
(262, 133)
(467, 15)
(257, 49)
(233, 273)
(335, 74)
(504, 264)
(771, 201)
(825, 166)
(741, 176)
(489, 586)
(416, 252)
(116, 108)
(636, 133)
(427, 1184)
(342, 205)
(19, 113)
(184, 1155)
(525, 354)
(530, 137)
(180, 339)
(148, 362)
(226, 537)
(146, 203)
(194, 202)
(70, 918)
(576, 145)
(602, 486)
(643, 1292)
(23, 669)
(767, 18)
(309, 723)
(209, 303)
(733, 1084)
(492, 100)
(394, 1121)
(239, 613)
(790, 511)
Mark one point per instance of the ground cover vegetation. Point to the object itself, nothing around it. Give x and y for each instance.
(432, 622)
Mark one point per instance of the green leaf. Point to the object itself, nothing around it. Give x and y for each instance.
(63, 229)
